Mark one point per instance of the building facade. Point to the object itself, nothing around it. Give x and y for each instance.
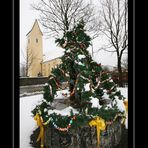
(48, 65)
(35, 65)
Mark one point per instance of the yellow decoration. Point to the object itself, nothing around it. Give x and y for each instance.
(126, 109)
(126, 105)
(100, 125)
(121, 115)
(40, 124)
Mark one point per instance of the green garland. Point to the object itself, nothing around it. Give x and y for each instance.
(78, 72)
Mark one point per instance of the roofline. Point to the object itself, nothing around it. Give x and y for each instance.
(51, 59)
(33, 27)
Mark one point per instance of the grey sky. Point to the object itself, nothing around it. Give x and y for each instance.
(27, 18)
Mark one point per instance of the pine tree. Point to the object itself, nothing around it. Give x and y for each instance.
(85, 79)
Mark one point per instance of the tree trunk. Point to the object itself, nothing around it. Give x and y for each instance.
(120, 82)
(71, 89)
(75, 97)
(26, 72)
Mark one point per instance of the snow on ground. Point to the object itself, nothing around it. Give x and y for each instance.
(31, 93)
(124, 92)
(27, 122)
(120, 104)
(61, 93)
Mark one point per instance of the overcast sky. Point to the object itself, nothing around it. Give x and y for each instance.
(27, 18)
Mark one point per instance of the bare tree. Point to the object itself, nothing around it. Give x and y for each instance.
(58, 16)
(28, 60)
(115, 28)
(22, 70)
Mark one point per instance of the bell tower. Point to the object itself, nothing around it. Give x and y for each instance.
(34, 51)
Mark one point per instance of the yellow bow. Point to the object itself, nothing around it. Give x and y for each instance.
(100, 125)
(126, 109)
(40, 124)
(126, 105)
(125, 114)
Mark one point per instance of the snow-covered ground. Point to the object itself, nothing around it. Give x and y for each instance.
(27, 123)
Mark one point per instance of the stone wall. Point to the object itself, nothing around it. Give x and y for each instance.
(85, 137)
(31, 89)
(24, 81)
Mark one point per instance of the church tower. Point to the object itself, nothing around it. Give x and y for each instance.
(34, 51)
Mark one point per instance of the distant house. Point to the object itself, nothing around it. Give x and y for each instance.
(115, 75)
(36, 66)
(113, 71)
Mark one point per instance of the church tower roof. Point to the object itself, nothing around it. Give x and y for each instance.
(35, 23)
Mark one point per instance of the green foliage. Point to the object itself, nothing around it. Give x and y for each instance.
(85, 96)
(81, 120)
(60, 121)
(105, 76)
(42, 108)
(79, 69)
(106, 114)
(47, 93)
(99, 92)
(60, 41)
(108, 85)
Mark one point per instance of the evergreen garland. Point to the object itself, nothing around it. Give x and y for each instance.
(79, 69)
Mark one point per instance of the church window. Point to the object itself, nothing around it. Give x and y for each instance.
(36, 40)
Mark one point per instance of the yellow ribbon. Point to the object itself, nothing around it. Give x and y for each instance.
(100, 125)
(126, 109)
(40, 124)
(121, 115)
(126, 105)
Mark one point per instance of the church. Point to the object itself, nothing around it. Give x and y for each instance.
(36, 66)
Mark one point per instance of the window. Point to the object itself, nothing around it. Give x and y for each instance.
(28, 40)
(36, 40)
